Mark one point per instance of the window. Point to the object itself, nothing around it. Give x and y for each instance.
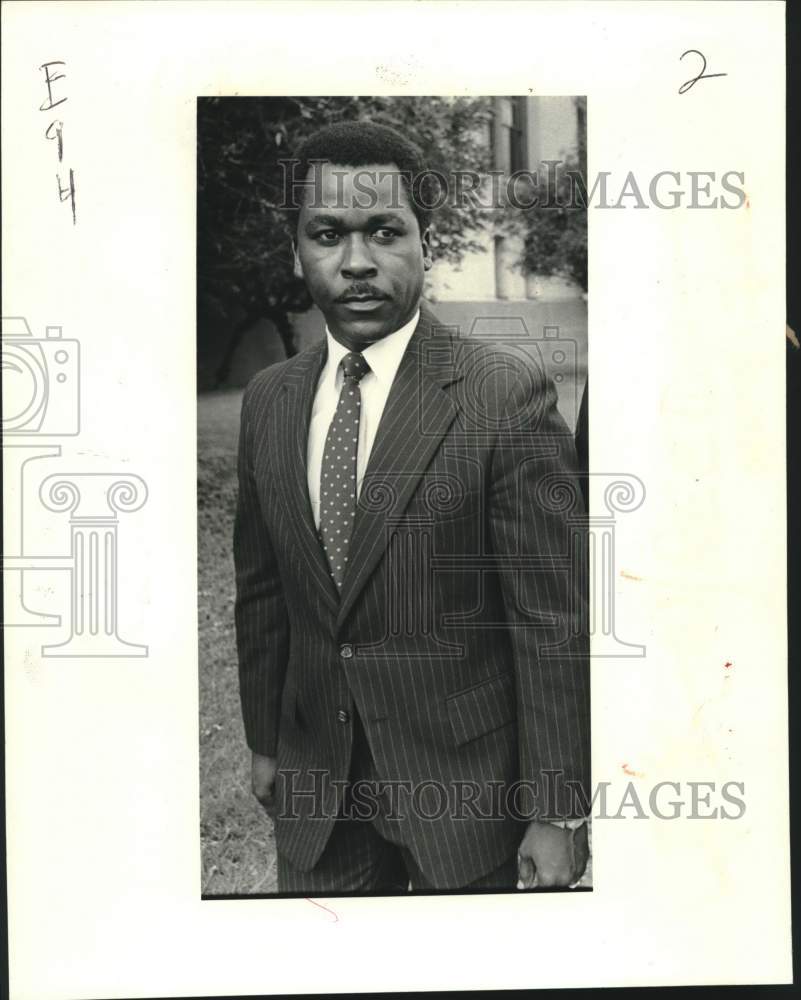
(508, 133)
(517, 135)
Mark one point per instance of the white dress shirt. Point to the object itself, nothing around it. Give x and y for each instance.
(384, 358)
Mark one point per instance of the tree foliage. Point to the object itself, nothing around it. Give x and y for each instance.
(555, 229)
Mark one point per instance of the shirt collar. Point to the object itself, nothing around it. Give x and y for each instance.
(383, 357)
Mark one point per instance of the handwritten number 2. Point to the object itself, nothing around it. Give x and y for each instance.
(703, 75)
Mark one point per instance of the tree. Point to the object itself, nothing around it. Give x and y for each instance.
(244, 255)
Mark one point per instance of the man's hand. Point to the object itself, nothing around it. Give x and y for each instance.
(555, 856)
(262, 780)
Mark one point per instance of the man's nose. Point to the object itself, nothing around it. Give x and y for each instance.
(357, 261)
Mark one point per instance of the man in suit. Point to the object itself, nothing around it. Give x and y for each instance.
(412, 650)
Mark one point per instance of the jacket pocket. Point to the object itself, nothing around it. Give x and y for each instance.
(482, 708)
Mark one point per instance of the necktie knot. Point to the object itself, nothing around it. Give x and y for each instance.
(354, 366)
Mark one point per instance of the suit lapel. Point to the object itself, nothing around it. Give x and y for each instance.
(292, 415)
(416, 416)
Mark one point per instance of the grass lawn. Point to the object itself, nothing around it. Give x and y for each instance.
(238, 847)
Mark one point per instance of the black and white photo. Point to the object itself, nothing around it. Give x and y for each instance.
(411, 614)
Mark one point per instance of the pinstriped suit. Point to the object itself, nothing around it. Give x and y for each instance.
(457, 635)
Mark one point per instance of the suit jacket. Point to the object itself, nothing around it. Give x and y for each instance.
(459, 634)
(582, 439)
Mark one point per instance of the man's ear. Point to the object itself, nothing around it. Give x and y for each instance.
(297, 268)
(425, 241)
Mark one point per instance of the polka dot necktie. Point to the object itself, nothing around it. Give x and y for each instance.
(338, 473)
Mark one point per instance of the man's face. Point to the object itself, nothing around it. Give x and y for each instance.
(360, 250)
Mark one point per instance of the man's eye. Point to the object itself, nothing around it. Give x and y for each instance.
(327, 237)
(385, 234)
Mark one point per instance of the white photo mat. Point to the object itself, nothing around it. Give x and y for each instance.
(686, 355)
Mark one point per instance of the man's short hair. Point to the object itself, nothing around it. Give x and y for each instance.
(359, 144)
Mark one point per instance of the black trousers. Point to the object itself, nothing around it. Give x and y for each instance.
(367, 856)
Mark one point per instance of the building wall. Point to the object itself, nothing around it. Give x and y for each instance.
(491, 274)
(553, 128)
(550, 132)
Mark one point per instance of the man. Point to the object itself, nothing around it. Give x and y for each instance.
(407, 620)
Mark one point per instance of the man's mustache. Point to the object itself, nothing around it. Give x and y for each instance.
(362, 290)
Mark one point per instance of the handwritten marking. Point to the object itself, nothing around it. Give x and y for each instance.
(55, 132)
(326, 908)
(634, 774)
(59, 136)
(67, 193)
(49, 104)
(703, 75)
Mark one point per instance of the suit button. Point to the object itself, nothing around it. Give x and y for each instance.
(346, 651)
(343, 716)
